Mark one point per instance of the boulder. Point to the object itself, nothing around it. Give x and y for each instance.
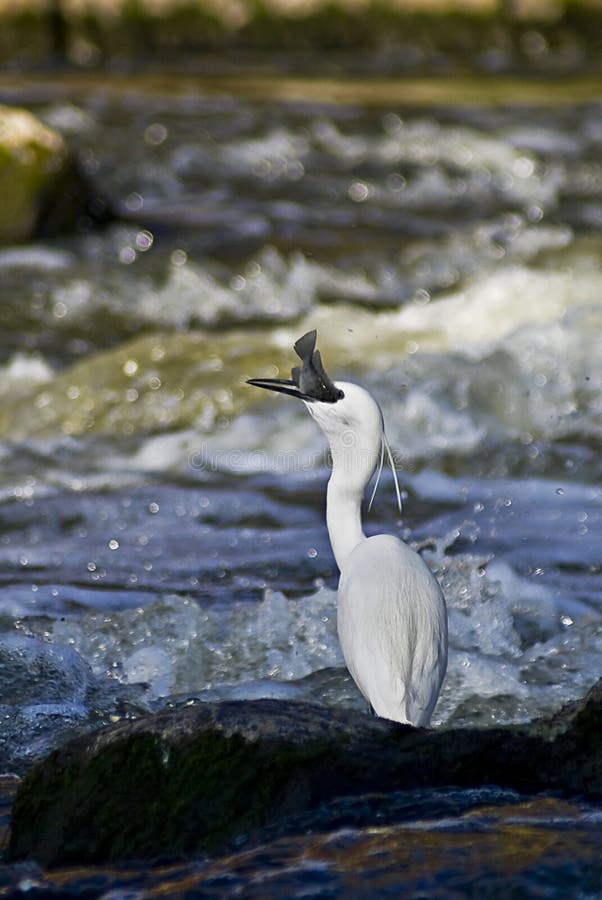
(194, 779)
(32, 157)
(42, 188)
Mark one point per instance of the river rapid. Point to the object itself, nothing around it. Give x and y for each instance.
(162, 523)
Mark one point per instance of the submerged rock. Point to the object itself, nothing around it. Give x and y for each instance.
(194, 779)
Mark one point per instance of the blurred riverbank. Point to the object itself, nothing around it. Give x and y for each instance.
(513, 36)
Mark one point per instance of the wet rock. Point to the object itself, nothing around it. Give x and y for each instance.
(48, 694)
(32, 157)
(141, 387)
(43, 191)
(192, 780)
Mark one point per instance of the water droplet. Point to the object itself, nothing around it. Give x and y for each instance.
(396, 182)
(178, 258)
(127, 255)
(134, 201)
(421, 297)
(130, 367)
(144, 240)
(523, 167)
(238, 282)
(155, 134)
(359, 191)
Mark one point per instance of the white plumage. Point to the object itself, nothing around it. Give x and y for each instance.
(392, 620)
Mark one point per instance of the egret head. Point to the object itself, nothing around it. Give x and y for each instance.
(353, 424)
(347, 414)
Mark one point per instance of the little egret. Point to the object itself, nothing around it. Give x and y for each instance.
(391, 619)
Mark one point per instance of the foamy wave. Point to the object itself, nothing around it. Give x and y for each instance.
(180, 646)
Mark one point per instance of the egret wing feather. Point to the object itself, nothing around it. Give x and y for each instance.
(393, 629)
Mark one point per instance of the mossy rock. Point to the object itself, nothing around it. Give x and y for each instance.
(32, 157)
(42, 188)
(192, 780)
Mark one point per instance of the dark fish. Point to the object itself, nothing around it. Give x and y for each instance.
(309, 380)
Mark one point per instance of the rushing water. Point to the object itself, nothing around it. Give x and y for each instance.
(162, 522)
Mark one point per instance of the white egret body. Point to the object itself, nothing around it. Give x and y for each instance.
(391, 619)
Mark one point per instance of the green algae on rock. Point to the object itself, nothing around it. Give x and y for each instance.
(32, 158)
(160, 381)
(150, 384)
(193, 780)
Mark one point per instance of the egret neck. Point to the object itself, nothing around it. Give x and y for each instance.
(355, 438)
(343, 518)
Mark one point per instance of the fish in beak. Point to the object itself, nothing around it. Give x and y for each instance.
(309, 381)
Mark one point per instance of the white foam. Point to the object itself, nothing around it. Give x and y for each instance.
(275, 155)
(481, 364)
(151, 665)
(481, 317)
(525, 597)
(24, 369)
(473, 675)
(38, 257)
(179, 646)
(513, 355)
(69, 119)
(422, 142)
(270, 286)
